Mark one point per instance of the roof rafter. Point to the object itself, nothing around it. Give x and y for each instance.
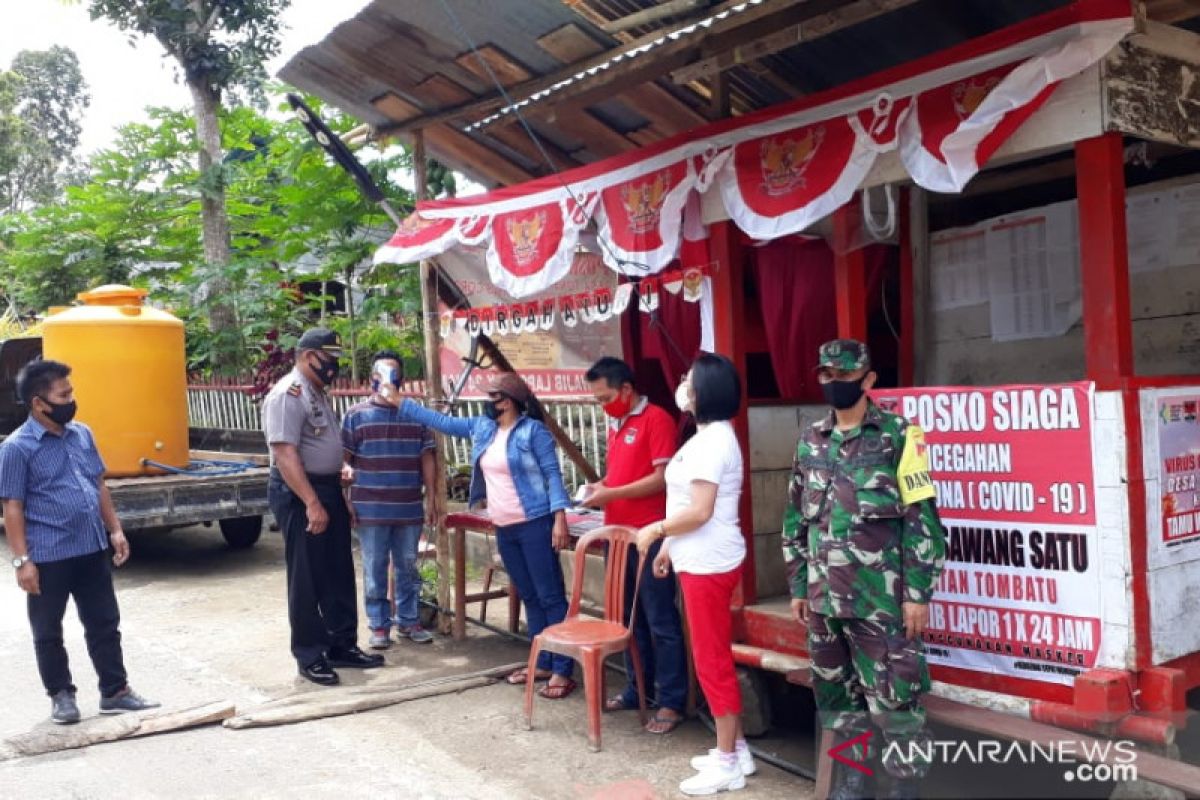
(753, 48)
(654, 54)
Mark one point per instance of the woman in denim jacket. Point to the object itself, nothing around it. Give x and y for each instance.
(515, 468)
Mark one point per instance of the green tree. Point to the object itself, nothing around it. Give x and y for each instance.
(218, 45)
(294, 216)
(42, 100)
(136, 212)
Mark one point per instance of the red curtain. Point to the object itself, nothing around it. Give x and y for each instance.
(660, 347)
(796, 293)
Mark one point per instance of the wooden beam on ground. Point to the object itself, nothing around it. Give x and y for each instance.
(788, 36)
(111, 729)
(343, 700)
(644, 66)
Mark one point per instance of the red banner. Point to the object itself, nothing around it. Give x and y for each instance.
(1020, 593)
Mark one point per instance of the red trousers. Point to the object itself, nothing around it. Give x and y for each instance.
(706, 601)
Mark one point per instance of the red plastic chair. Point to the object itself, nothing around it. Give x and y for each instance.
(589, 640)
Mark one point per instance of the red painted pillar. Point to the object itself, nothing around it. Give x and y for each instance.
(908, 322)
(849, 275)
(1108, 335)
(725, 250)
(1104, 256)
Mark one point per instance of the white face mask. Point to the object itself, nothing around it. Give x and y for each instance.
(681, 397)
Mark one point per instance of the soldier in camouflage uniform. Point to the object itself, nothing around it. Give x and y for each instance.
(864, 548)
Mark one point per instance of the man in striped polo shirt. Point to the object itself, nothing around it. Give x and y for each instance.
(389, 461)
(65, 536)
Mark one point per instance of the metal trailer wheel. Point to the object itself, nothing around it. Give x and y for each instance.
(241, 533)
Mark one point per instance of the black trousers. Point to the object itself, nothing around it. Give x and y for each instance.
(322, 596)
(88, 579)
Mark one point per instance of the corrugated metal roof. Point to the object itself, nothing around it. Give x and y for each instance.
(398, 60)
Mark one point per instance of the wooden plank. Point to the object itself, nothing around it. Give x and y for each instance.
(668, 113)
(455, 147)
(516, 138)
(663, 58)
(597, 137)
(441, 91)
(648, 16)
(788, 36)
(1170, 11)
(506, 68)
(570, 43)
(395, 107)
(1153, 96)
(110, 729)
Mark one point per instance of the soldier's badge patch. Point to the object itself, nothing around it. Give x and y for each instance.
(294, 390)
(913, 472)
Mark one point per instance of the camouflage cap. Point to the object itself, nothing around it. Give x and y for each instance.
(847, 354)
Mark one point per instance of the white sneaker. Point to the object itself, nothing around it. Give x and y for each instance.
(714, 778)
(745, 761)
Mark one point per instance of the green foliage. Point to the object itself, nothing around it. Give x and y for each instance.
(294, 215)
(42, 99)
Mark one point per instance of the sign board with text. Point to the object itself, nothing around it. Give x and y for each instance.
(1013, 466)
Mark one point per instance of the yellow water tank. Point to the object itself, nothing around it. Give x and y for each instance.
(128, 369)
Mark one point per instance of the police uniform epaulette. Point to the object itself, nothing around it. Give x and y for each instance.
(295, 389)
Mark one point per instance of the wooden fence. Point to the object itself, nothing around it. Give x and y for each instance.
(229, 405)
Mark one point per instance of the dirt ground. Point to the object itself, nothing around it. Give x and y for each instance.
(204, 623)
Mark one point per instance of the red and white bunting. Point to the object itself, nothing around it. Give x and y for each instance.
(418, 238)
(781, 184)
(567, 311)
(639, 219)
(780, 169)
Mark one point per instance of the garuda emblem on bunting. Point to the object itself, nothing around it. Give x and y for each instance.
(967, 95)
(525, 233)
(785, 158)
(644, 201)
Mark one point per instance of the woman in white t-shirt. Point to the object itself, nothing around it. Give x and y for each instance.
(704, 542)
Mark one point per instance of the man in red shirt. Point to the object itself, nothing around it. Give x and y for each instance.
(641, 442)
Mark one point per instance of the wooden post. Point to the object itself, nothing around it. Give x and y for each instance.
(919, 306)
(353, 328)
(1108, 337)
(729, 301)
(907, 320)
(849, 276)
(433, 379)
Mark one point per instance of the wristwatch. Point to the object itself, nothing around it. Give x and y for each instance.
(20, 561)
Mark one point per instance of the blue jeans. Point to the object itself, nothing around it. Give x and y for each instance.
(658, 631)
(531, 563)
(397, 543)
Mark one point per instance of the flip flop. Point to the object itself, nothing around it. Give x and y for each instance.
(552, 692)
(617, 703)
(671, 723)
(521, 676)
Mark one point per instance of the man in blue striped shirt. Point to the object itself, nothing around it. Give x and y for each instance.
(389, 460)
(56, 512)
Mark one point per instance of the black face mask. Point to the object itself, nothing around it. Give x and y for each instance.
(491, 411)
(60, 413)
(327, 371)
(843, 394)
